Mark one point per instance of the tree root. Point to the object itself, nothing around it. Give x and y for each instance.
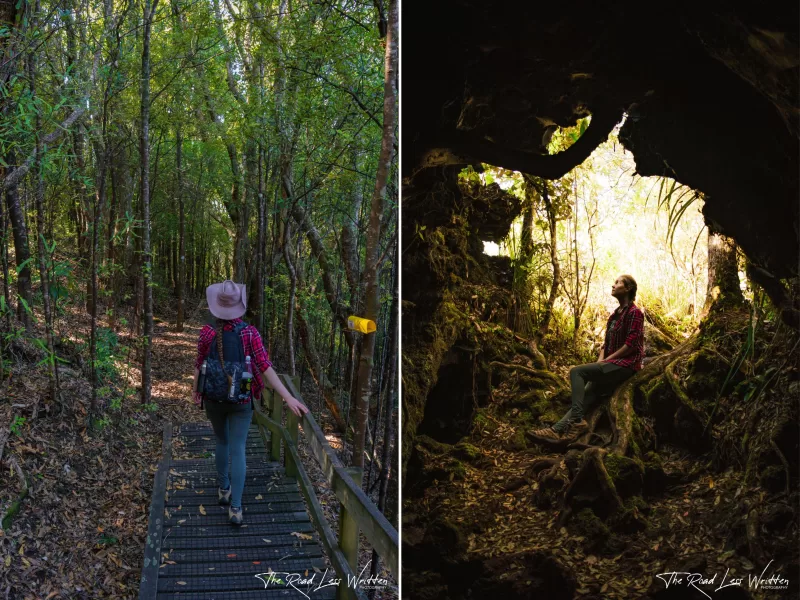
(592, 420)
(785, 463)
(620, 407)
(751, 527)
(552, 481)
(592, 479)
(675, 385)
(543, 463)
(538, 373)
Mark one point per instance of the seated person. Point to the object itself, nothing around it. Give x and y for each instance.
(620, 357)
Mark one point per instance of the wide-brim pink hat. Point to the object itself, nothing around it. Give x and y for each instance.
(227, 300)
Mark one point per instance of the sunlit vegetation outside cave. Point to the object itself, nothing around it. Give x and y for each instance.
(609, 221)
(691, 463)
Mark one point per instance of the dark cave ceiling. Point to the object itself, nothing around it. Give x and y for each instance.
(710, 89)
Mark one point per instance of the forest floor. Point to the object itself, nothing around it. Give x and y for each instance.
(81, 529)
(477, 498)
(690, 526)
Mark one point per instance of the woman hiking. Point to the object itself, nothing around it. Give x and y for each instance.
(232, 350)
(620, 357)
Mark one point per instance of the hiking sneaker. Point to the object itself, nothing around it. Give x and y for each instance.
(235, 515)
(575, 430)
(224, 496)
(546, 434)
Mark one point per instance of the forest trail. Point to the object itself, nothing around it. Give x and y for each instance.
(196, 550)
(81, 528)
(174, 354)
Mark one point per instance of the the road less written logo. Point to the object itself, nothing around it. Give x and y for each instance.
(764, 581)
(318, 581)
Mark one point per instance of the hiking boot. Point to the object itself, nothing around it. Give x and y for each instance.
(235, 515)
(546, 434)
(575, 430)
(224, 496)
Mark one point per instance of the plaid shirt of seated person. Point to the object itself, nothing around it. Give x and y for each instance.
(626, 326)
(253, 346)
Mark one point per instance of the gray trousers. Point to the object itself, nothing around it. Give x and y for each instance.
(588, 381)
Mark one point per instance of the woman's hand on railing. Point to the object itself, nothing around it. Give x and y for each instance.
(197, 397)
(295, 406)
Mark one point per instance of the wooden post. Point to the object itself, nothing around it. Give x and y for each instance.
(292, 422)
(291, 426)
(277, 416)
(348, 528)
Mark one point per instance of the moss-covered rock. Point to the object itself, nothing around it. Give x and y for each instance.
(626, 474)
(445, 541)
(433, 461)
(467, 451)
(482, 423)
(429, 445)
(631, 517)
(705, 374)
(654, 481)
(456, 469)
(598, 537)
(518, 441)
(773, 478)
(661, 404)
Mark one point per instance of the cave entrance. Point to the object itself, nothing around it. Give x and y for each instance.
(451, 403)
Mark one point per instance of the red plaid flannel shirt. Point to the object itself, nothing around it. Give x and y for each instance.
(628, 329)
(253, 346)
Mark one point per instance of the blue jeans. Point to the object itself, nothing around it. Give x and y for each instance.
(231, 428)
(587, 382)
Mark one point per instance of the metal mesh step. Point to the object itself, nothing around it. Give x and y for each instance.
(235, 567)
(239, 540)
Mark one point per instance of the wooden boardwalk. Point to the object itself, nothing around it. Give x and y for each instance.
(192, 551)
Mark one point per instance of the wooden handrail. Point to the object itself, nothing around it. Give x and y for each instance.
(357, 510)
(148, 585)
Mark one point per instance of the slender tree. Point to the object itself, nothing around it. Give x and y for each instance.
(148, 12)
(181, 286)
(372, 262)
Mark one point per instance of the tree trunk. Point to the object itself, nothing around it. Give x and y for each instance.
(260, 244)
(144, 152)
(324, 384)
(723, 273)
(181, 232)
(111, 245)
(4, 259)
(388, 437)
(544, 325)
(21, 250)
(290, 303)
(371, 277)
(40, 227)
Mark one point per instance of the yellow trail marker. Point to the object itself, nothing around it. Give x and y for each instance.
(359, 324)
